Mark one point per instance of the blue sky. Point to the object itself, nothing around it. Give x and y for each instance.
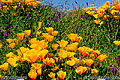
(97, 3)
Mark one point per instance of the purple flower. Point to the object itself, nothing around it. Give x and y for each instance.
(119, 64)
(56, 18)
(52, 19)
(116, 71)
(30, 6)
(77, 65)
(81, 16)
(79, 26)
(7, 30)
(27, 15)
(97, 26)
(110, 65)
(118, 59)
(99, 64)
(4, 44)
(26, 44)
(0, 57)
(113, 68)
(70, 67)
(59, 62)
(16, 3)
(6, 21)
(75, 27)
(45, 56)
(64, 32)
(84, 16)
(31, 34)
(54, 58)
(110, 50)
(27, 39)
(6, 27)
(1, 70)
(11, 26)
(81, 58)
(5, 35)
(1, 6)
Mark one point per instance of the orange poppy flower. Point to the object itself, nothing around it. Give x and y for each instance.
(4, 66)
(39, 25)
(62, 54)
(50, 30)
(42, 54)
(80, 70)
(48, 61)
(72, 37)
(72, 47)
(102, 10)
(85, 54)
(55, 46)
(107, 3)
(96, 53)
(55, 68)
(51, 75)
(97, 21)
(12, 45)
(0, 45)
(78, 39)
(50, 38)
(92, 56)
(14, 7)
(113, 12)
(81, 49)
(27, 32)
(38, 2)
(12, 61)
(113, 7)
(10, 55)
(70, 54)
(106, 16)
(20, 36)
(61, 74)
(54, 33)
(0, 8)
(102, 57)
(38, 33)
(68, 10)
(70, 62)
(115, 17)
(32, 56)
(32, 74)
(9, 40)
(22, 60)
(36, 66)
(50, 55)
(91, 5)
(63, 43)
(117, 43)
(94, 71)
(39, 71)
(89, 62)
(5, 7)
(101, 14)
